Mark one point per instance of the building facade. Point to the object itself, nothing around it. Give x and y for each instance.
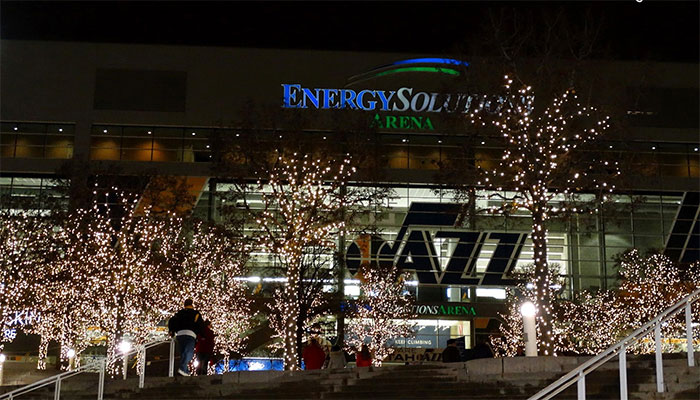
(138, 109)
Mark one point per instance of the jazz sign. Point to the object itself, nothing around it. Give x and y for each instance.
(414, 249)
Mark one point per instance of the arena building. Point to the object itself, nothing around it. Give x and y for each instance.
(141, 109)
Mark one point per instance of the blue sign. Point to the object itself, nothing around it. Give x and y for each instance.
(252, 364)
(402, 100)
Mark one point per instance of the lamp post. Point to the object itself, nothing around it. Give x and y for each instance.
(125, 348)
(528, 311)
(71, 359)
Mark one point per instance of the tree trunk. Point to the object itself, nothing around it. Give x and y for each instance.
(543, 290)
(291, 314)
(43, 349)
(300, 338)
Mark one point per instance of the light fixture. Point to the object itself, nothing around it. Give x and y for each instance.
(149, 132)
(16, 128)
(124, 346)
(527, 309)
(193, 133)
(60, 129)
(104, 131)
(439, 141)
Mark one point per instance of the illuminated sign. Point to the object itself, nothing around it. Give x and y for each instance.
(402, 100)
(426, 309)
(402, 122)
(414, 249)
(17, 319)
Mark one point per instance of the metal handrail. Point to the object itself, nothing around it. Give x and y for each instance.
(620, 349)
(102, 364)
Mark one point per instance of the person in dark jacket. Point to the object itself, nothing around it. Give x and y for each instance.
(313, 355)
(451, 352)
(482, 350)
(204, 348)
(186, 324)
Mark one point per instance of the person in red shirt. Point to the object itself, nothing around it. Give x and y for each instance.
(363, 358)
(313, 355)
(204, 348)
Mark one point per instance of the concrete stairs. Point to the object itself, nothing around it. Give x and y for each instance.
(486, 379)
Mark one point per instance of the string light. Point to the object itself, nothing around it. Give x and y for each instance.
(304, 201)
(382, 313)
(593, 321)
(539, 162)
(114, 271)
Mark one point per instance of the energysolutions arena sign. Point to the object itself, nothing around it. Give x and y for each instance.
(401, 100)
(405, 103)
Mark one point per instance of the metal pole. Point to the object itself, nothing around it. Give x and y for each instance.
(101, 383)
(659, 362)
(171, 368)
(623, 372)
(688, 334)
(57, 391)
(581, 386)
(142, 366)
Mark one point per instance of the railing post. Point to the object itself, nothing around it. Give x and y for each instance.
(623, 372)
(57, 392)
(689, 333)
(171, 368)
(101, 383)
(581, 386)
(142, 366)
(659, 362)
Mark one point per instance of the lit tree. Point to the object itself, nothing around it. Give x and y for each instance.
(207, 262)
(306, 204)
(22, 237)
(648, 286)
(316, 271)
(542, 161)
(382, 313)
(592, 322)
(512, 326)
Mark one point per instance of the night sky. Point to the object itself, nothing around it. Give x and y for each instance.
(650, 30)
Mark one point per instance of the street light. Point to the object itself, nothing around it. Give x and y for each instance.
(125, 348)
(528, 311)
(71, 355)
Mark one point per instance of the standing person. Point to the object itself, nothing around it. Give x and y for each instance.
(313, 355)
(363, 358)
(337, 358)
(482, 349)
(451, 352)
(186, 324)
(204, 348)
(317, 333)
